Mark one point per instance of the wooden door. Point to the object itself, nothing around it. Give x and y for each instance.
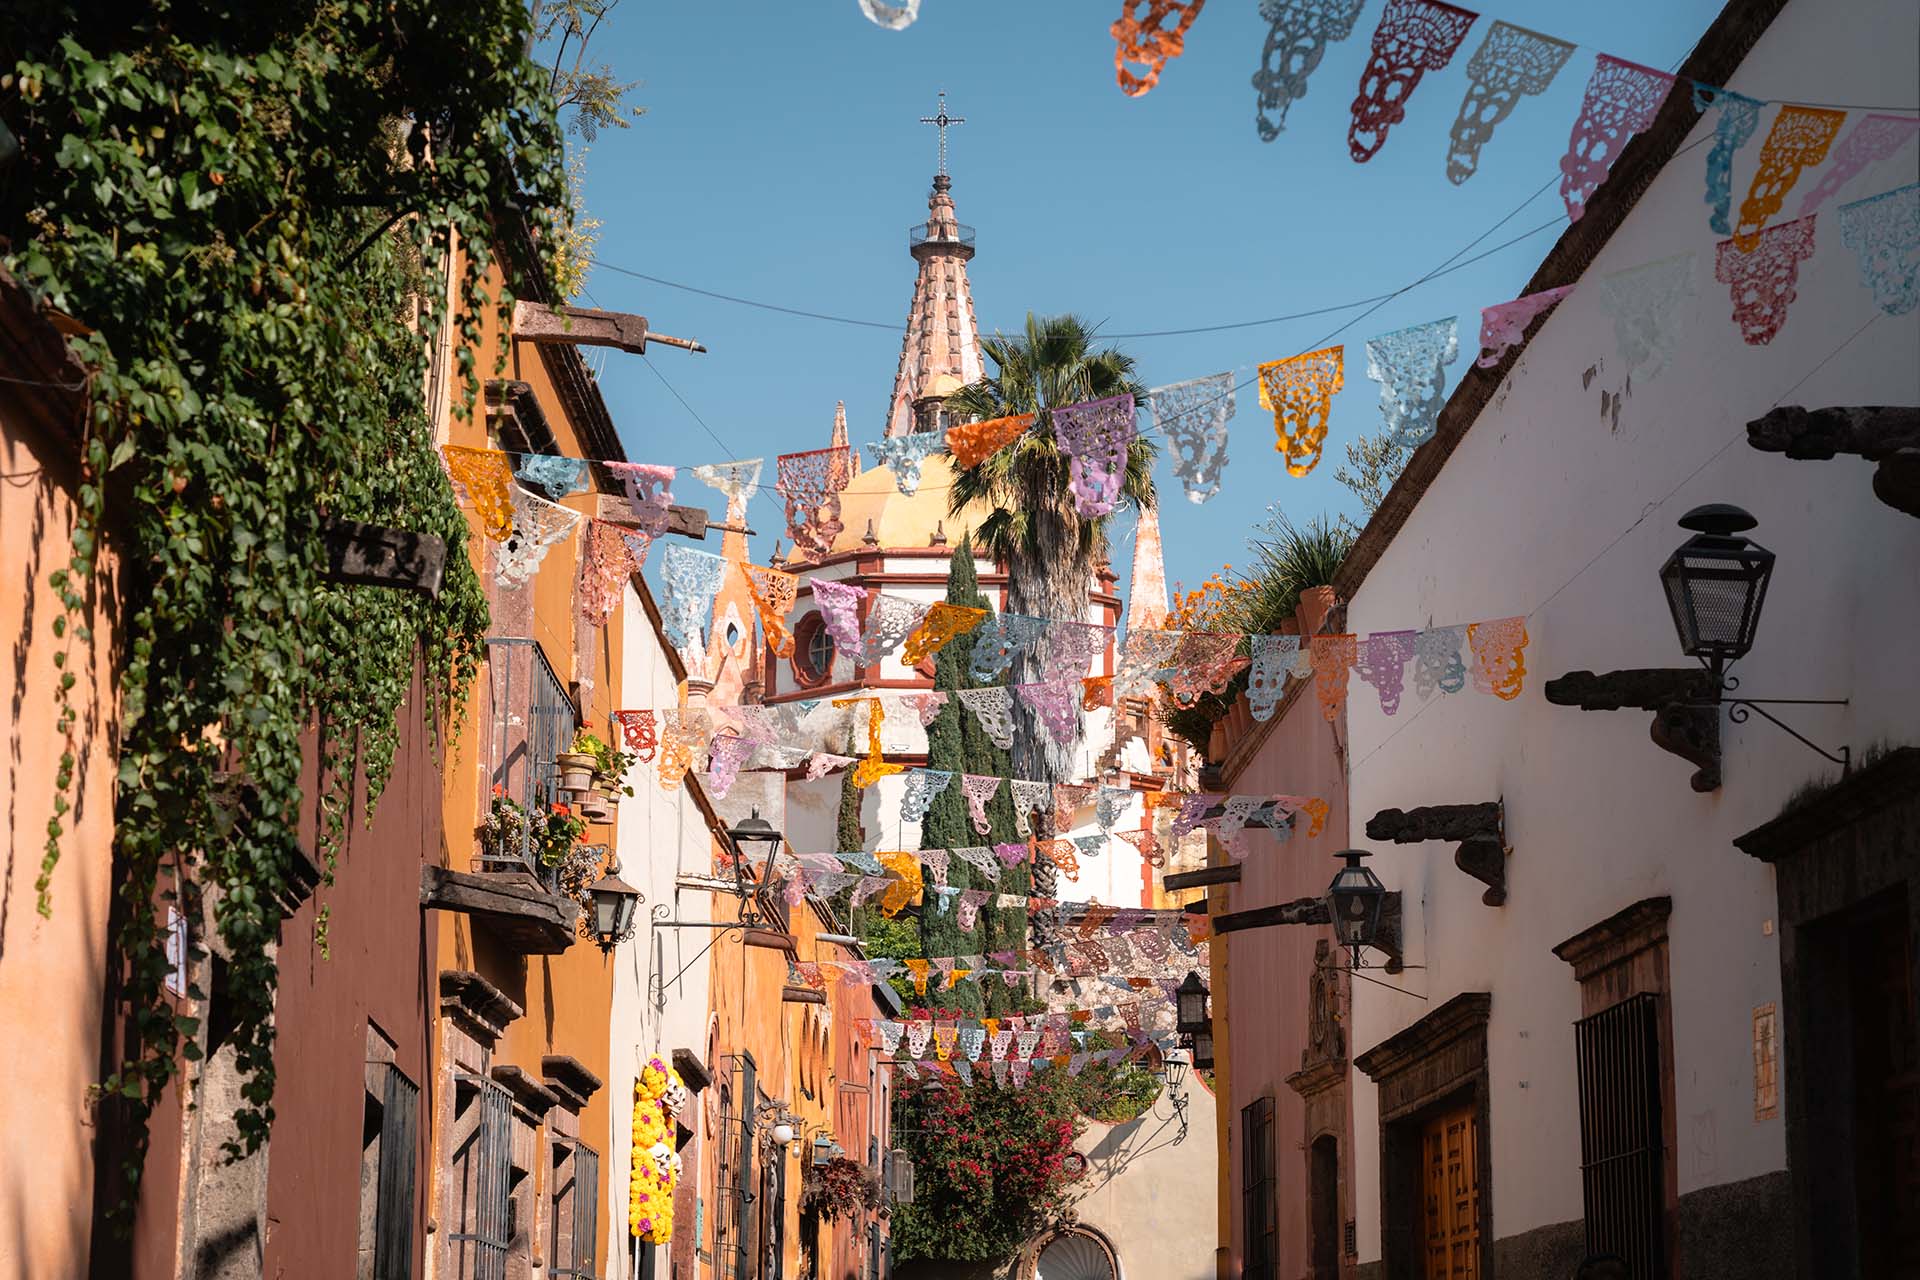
(1450, 1191)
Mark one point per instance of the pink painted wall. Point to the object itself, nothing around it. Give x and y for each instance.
(1269, 969)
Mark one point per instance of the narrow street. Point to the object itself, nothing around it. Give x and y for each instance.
(1346, 717)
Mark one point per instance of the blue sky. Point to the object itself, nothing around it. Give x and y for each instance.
(781, 159)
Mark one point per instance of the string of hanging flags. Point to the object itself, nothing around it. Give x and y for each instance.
(518, 498)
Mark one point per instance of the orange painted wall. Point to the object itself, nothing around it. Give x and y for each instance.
(51, 970)
(565, 998)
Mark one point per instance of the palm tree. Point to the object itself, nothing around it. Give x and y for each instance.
(1048, 547)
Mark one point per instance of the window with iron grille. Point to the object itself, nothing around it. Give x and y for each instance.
(576, 1210)
(1622, 1155)
(531, 725)
(1257, 1208)
(393, 1122)
(482, 1177)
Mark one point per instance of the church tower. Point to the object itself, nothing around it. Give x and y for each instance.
(941, 351)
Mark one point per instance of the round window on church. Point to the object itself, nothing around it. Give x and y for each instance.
(812, 651)
(1075, 1255)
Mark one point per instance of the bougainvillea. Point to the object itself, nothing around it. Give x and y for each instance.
(993, 1166)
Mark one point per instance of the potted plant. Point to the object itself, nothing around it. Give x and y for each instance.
(595, 806)
(577, 766)
(610, 763)
(512, 830)
(840, 1186)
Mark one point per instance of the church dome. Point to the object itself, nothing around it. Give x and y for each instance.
(901, 520)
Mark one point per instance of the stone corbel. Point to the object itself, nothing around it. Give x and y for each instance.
(1479, 828)
(586, 327)
(1686, 720)
(1886, 434)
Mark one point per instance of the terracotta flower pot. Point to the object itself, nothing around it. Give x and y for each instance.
(576, 770)
(1315, 604)
(596, 808)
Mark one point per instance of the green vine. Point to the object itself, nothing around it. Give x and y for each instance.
(251, 206)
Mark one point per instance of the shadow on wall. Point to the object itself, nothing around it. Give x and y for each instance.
(57, 966)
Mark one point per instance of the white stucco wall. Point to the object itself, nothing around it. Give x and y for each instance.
(1154, 1200)
(661, 835)
(1546, 508)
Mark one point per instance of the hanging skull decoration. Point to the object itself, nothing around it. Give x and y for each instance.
(676, 1097)
(663, 1157)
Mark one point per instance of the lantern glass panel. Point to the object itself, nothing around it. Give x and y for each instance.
(1203, 1050)
(1715, 586)
(606, 907)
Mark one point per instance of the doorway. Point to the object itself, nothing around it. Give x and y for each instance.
(1323, 1200)
(1450, 1195)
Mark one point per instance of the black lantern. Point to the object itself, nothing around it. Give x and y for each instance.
(1203, 1050)
(1191, 1009)
(1354, 900)
(754, 830)
(614, 902)
(1716, 582)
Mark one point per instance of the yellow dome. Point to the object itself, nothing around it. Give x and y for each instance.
(900, 520)
(941, 385)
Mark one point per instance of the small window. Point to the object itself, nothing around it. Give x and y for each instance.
(733, 635)
(813, 651)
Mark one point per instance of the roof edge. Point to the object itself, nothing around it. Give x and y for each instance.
(1720, 51)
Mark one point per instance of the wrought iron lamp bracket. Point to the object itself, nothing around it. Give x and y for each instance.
(1740, 709)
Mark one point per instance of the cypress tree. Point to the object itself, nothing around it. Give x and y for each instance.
(956, 742)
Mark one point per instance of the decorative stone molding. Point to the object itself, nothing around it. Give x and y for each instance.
(1686, 719)
(569, 1080)
(1617, 938)
(693, 1072)
(1323, 1063)
(529, 1094)
(1886, 434)
(1890, 781)
(1479, 827)
(477, 1007)
(1417, 1065)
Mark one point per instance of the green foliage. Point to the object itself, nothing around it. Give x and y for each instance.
(1290, 559)
(226, 194)
(589, 91)
(1373, 464)
(955, 741)
(1033, 525)
(989, 1166)
(990, 1163)
(610, 762)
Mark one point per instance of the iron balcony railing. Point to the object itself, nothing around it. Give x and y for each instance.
(530, 724)
(959, 233)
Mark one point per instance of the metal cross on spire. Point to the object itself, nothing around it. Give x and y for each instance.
(942, 121)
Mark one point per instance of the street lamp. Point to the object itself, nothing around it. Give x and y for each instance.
(1191, 1006)
(754, 830)
(614, 903)
(1203, 1050)
(1716, 582)
(1354, 900)
(1175, 1063)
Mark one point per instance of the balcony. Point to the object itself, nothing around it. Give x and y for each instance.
(956, 235)
(516, 894)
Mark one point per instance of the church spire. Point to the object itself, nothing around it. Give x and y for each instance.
(941, 351)
(1147, 590)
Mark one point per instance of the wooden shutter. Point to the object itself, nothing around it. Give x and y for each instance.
(393, 1196)
(1450, 1195)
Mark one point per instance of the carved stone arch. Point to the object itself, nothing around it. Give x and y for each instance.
(1072, 1252)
